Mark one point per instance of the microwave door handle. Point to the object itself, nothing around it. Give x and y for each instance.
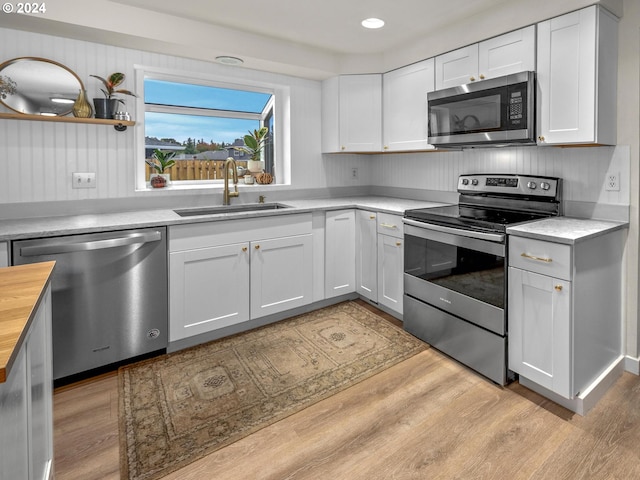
(64, 247)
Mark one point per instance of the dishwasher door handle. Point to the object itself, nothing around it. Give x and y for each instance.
(132, 239)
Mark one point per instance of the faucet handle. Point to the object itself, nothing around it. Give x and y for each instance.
(261, 199)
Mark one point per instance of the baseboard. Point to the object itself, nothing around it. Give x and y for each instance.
(632, 365)
(590, 397)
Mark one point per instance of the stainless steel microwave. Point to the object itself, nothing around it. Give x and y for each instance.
(489, 112)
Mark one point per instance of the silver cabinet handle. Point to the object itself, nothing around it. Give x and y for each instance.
(133, 239)
(388, 225)
(533, 257)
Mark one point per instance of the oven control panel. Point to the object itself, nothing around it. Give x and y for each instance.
(509, 184)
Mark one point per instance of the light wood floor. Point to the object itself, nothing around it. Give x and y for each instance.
(426, 418)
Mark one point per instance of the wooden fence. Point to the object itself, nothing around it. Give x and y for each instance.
(195, 169)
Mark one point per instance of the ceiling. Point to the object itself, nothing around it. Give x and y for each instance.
(332, 25)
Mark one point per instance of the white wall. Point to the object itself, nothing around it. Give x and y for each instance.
(582, 169)
(38, 158)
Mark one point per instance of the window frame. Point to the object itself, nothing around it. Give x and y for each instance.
(278, 105)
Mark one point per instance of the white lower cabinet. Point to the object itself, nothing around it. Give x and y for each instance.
(540, 329)
(390, 261)
(281, 274)
(26, 409)
(565, 320)
(209, 289)
(390, 266)
(380, 258)
(366, 254)
(226, 273)
(340, 253)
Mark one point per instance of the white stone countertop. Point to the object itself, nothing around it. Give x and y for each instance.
(565, 229)
(87, 223)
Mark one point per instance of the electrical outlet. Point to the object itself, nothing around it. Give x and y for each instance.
(612, 183)
(83, 180)
(354, 173)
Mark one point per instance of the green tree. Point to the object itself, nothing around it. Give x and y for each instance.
(190, 147)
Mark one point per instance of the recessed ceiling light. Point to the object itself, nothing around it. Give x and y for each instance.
(227, 60)
(373, 23)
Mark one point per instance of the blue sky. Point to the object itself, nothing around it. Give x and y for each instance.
(181, 127)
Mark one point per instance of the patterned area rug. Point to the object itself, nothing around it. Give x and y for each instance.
(179, 407)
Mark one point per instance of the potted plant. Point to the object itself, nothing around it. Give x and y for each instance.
(254, 144)
(160, 162)
(106, 107)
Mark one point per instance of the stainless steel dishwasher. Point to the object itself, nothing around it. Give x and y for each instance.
(109, 295)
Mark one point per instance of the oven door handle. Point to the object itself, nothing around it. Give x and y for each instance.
(492, 237)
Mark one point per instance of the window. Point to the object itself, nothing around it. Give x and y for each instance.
(204, 123)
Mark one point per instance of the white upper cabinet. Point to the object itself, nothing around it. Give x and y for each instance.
(352, 114)
(510, 53)
(404, 106)
(577, 77)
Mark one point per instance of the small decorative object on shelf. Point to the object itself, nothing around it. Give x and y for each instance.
(160, 162)
(264, 178)
(106, 107)
(82, 107)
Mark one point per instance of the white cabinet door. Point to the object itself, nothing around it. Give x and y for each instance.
(361, 113)
(352, 113)
(208, 289)
(281, 274)
(14, 443)
(340, 264)
(457, 67)
(390, 272)
(509, 53)
(577, 76)
(540, 346)
(366, 255)
(26, 410)
(404, 106)
(39, 364)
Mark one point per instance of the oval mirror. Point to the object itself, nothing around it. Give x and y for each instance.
(38, 86)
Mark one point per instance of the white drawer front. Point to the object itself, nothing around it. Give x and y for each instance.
(546, 258)
(389, 224)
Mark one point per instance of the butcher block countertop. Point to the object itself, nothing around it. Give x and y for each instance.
(21, 289)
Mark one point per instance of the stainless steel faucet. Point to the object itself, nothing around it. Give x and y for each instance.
(226, 195)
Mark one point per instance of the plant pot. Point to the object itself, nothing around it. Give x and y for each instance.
(255, 166)
(159, 180)
(105, 107)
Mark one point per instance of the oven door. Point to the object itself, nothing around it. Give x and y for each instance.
(458, 271)
(499, 110)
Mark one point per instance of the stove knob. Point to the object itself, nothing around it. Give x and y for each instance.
(474, 181)
(545, 186)
(465, 181)
(531, 185)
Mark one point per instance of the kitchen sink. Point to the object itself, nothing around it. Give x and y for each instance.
(248, 207)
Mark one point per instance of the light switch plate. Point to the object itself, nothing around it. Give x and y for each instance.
(83, 180)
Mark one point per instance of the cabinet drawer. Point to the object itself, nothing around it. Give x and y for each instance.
(389, 224)
(547, 258)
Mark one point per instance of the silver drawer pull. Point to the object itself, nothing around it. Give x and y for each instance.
(388, 225)
(533, 257)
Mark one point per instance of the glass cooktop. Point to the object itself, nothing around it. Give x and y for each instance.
(472, 217)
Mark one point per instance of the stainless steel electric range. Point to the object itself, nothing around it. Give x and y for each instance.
(455, 266)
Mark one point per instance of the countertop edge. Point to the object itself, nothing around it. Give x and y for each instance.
(43, 271)
(558, 229)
